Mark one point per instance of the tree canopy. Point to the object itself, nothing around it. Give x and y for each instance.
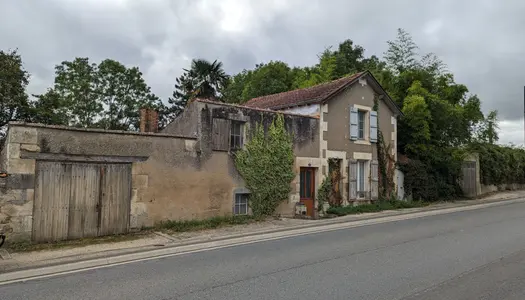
(14, 102)
(441, 117)
(108, 95)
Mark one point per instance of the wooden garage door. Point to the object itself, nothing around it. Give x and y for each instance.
(75, 200)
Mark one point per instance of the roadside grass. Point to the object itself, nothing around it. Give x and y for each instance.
(168, 226)
(374, 207)
(211, 223)
(27, 246)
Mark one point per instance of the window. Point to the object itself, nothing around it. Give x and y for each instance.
(236, 135)
(361, 178)
(361, 124)
(241, 204)
(306, 183)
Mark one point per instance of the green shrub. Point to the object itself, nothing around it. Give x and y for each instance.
(500, 164)
(266, 165)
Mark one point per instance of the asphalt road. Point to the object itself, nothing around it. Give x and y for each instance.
(477, 254)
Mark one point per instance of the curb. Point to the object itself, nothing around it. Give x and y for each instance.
(230, 241)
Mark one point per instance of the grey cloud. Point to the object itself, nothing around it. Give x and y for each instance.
(480, 40)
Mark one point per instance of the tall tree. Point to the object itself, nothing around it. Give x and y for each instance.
(271, 78)
(488, 130)
(13, 82)
(203, 80)
(208, 78)
(122, 92)
(108, 95)
(401, 54)
(349, 59)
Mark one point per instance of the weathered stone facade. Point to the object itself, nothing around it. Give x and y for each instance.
(175, 174)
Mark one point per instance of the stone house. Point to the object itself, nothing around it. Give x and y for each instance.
(349, 128)
(67, 183)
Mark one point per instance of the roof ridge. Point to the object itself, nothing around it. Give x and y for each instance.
(253, 100)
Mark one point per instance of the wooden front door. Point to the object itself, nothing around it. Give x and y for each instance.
(307, 190)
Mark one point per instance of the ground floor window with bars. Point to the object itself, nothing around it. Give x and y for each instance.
(240, 206)
(361, 177)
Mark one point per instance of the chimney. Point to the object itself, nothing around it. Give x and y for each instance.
(149, 120)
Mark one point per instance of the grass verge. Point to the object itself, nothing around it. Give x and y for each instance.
(168, 226)
(28, 246)
(211, 223)
(375, 207)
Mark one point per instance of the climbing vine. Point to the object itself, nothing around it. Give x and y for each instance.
(266, 165)
(385, 160)
(323, 193)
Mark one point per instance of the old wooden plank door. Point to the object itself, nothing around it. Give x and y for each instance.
(469, 178)
(84, 201)
(76, 200)
(51, 203)
(115, 199)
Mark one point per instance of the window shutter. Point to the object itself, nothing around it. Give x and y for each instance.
(374, 180)
(220, 134)
(373, 126)
(353, 123)
(352, 170)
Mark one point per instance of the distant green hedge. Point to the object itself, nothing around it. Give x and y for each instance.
(500, 164)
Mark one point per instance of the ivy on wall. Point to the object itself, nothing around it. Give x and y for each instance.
(500, 164)
(386, 161)
(266, 164)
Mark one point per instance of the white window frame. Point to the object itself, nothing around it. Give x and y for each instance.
(366, 110)
(240, 205)
(361, 129)
(240, 135)
(362, 166)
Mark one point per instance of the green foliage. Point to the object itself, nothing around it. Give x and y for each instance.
(13, 82)
(108, 95)
(416, 121)
(435, 175)
(374, 207)
(211, 223)
(266, 165)
(323, 194)
(500, 164)
(488, 129)
(402, 53)
(203, 80)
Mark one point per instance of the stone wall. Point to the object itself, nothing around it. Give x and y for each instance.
(17, 190)
(169, 180)
(197, 120)
(175, 174)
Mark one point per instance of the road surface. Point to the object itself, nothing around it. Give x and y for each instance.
(477, 254)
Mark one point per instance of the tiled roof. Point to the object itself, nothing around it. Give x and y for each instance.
(314, 94)
(202, 100)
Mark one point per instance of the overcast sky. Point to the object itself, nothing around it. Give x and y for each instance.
(481, 41)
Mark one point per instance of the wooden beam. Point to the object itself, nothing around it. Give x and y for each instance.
(81, 158)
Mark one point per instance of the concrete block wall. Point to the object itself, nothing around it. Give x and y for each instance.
(17, 190)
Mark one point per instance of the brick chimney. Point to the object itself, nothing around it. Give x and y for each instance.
(149, 120)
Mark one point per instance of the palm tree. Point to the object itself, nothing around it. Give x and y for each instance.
(207, 79)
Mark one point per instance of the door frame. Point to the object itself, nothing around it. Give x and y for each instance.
(312, 171)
